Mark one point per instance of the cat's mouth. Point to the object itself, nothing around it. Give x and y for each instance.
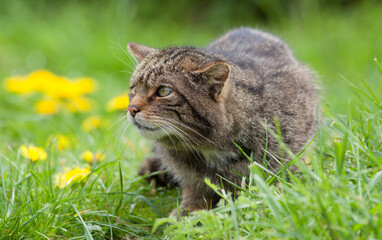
(145, 128)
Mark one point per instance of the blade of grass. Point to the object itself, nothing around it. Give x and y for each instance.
(293, 161)
(121, 188)
(371, 92)
(148, 202)
(3, 180)
(356, 88)
(88, 235)
(242, 151)
(374, 181)
(379, 66)
(40, 183)
(264, 163)
(43, 235)
(269, 198)
(256, 163)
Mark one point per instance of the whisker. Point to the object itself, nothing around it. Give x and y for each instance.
(183, 137)
(124, 50)
(176, 150)
(179, 129)
(118, 121)
(184, 133)
(193, 130)
(131, 57)
(123, 71)
(127, 64)
(121, 132)
(190, 146)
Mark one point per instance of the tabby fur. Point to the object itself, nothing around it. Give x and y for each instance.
(233, 91)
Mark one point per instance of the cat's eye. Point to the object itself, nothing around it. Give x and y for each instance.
(133, 91)
(164, 91)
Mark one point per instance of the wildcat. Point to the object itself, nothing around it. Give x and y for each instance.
(197, 102)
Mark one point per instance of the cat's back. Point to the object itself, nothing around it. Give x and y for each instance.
(267, 82)
(251, 48)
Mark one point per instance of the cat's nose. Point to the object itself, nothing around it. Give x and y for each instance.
(133, 110)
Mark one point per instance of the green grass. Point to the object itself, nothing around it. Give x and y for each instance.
(336, 195)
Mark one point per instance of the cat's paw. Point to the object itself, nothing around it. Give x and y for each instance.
(186, 210)
(178, 213)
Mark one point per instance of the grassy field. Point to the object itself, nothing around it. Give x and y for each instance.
(84, 136)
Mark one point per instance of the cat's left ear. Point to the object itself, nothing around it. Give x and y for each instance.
(216, 74)
(140, 51)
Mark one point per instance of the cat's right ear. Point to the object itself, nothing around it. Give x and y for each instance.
(140, 51)
(217, 74)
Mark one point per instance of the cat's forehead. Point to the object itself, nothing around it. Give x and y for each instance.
(166, 63)
(149, 76)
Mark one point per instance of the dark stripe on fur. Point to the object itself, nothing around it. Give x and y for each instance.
(176, 112)
(259, 90)
(173, 57)
(197, 114)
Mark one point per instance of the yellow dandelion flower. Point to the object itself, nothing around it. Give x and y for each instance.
(18, 85)
(41, 80)
(59, 87)
(99, 156)
(64, 88)
(62, 92)
(80, 104)
(76, 174)
(92, 157)
(33, 153)
(87, 155)
(50, 84)
(63, 142)
(46, 106)
(91, 123)
(118, 103)
(84, 85)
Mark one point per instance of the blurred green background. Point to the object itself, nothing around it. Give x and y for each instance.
(338, 39)
(75, 38)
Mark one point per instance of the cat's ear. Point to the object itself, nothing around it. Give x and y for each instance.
(140, 51)
(216, 74)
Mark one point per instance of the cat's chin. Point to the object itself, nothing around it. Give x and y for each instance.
(151, 134)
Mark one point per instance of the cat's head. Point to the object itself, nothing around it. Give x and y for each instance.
(177, 91)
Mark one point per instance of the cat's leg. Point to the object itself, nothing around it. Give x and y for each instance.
(153, 164)
(193, 200)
